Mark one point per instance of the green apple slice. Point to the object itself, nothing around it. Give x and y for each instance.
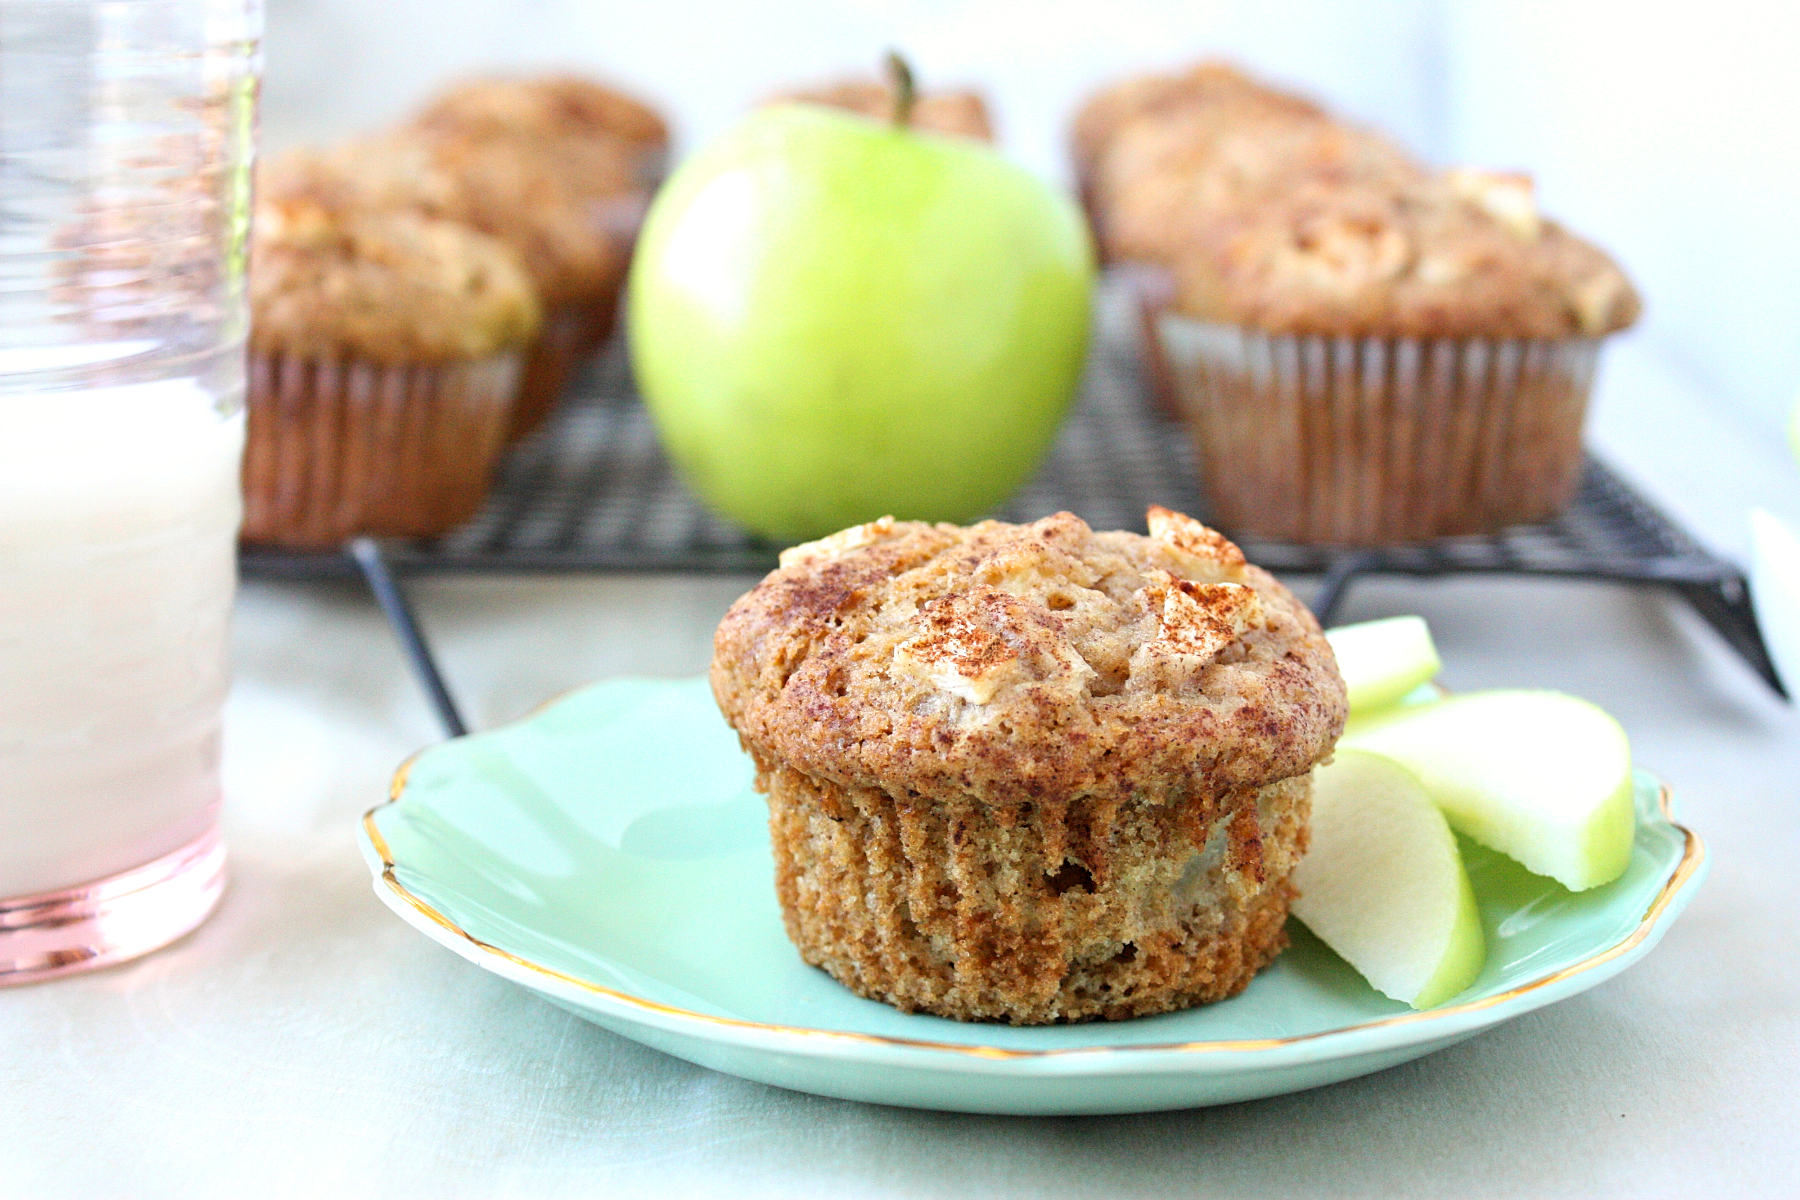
(1540, 776)
(1381, 661)
(1384, 884)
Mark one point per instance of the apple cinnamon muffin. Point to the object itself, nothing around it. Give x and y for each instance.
(1210, 94)
(550, 109)
(1390, 360)
(1031, 773)
(1463, 254)
(572, 150)
(1165, 184)
(1365, 350)
(385, 351)
(541, 205)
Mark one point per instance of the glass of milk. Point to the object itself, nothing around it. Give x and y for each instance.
(126, 132)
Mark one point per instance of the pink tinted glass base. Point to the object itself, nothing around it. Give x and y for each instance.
(112, 919)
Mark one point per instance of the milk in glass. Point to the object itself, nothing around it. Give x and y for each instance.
(118, 511)
(126, 135)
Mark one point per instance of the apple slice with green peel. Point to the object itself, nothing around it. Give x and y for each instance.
(1381, 661)
(1384, 884)
(1542, 777)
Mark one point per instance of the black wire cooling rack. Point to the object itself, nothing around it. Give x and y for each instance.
(591, 491)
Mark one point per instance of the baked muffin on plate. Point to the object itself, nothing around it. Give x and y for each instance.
(385, 350)
(1031, 773)
(962, 113)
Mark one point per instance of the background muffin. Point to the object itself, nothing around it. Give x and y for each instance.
(571, 209)
(551, 108)
(1031, 773)
(1390, 361)
(523, 197)
(385, 350)
(1164, 184)
(1212, 92)
(1365, 351)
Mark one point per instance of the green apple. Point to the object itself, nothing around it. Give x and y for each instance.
(833, 319)
(1542, 777)
(1382, 661)
(1383, 883)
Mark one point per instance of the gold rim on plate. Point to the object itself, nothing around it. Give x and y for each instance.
(1693, 854)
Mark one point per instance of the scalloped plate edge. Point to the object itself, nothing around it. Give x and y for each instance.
(1438, 1025)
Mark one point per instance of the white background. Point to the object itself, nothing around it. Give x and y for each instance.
(1666, 131)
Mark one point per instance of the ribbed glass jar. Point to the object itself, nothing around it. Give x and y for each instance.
(126, 133)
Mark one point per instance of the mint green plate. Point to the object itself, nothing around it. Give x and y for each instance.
(609, 854)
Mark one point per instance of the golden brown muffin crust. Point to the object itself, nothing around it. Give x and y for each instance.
(1011, 913)
(1042, 662)
(566, 240)
(1206, 85)
(1284, 219)
(551, 208)
(1460, 255)
(545, 107)
(390, 287)
(1164, 185)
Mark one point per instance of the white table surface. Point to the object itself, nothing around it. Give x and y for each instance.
(307, 1043)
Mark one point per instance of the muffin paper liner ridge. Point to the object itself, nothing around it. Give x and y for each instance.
(1368, 440)
(575, 328)
(341, 447)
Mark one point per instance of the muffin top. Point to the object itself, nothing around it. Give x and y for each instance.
(963, 114)
(1276, 216)
(567, 242)
(1463, 254)
(1164, 183)
(552, 209)
(1029, 663)
(1206, 85)
(397, 287)
(547, 107)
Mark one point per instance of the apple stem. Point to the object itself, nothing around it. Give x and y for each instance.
(901, 76)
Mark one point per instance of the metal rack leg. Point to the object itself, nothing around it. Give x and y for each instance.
(1336, 585)
(1726, 607)
(406, 627)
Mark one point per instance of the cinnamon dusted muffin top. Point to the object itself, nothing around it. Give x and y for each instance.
(1162, 184)
(548, 107)
(551, 208)
(364, 174)
(1040, 662)
(393, 286)
(566, 241)
(1207, 85)
(962, 113)
(1464, 254)
(1276, 216)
